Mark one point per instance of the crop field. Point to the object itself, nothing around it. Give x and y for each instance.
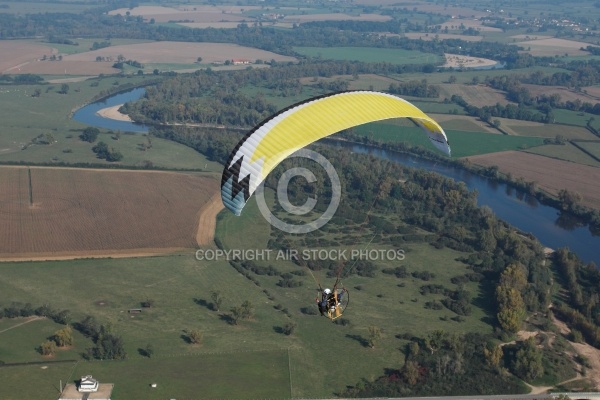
(478, 95)
(591, 147)
(300, 18)
(54, 212)
(21, 57)
(538, 129)
(455, 25)
(576, 118)
(442, 36)
(462, 123)
(35, 7)
(550, 174)
(568, 152)
(369, 54)
(193, 13)
(554, 47)
(15, 54)
(443, 110)
(463, 143)
(590, 95)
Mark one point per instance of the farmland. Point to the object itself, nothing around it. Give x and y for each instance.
(52, 212)
(101, 242)
(180, 286)
(152, 55)
(568, 152)
(481, 95)
(550, 174)
(368, 54)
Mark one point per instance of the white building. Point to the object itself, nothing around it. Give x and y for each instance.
(88, 384)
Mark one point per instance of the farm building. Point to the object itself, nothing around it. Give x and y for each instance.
(88, 389)
(240, 61)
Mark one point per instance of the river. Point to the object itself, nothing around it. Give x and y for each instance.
(524, 212)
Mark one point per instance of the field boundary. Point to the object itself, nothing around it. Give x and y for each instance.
(574, 142)
(89, 254)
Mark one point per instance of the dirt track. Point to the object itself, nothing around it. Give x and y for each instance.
(586, 350)
(207, 221)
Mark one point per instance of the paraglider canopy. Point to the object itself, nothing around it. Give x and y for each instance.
(280, 135)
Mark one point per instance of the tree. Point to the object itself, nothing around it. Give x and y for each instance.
(527, 364)
(48, 348)
(493, 356)
(64, 89)
(568, 199)
(289, 328)
(487, 241)
(217, 299)
(89, 134)
(149, 350)
(410, 372)
(195, 336)
(374, 336)
(147, 303)
(109, 346)
(63, 337)
(512, 313)
(236, 314)
(245, 311)
(412, 350)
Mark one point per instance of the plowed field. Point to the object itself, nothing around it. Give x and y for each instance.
(61, 213)
(551, 175)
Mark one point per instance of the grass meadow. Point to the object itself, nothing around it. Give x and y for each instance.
(550, 131)
(180, 287)
(26, 7)
(24, 118)
(591, 147)
(463, 143)
(577, 118)
(567, 152)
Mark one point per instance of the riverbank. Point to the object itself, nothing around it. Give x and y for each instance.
(113, 113)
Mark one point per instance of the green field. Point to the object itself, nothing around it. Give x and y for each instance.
(241, 375)
(180, 287)
(25, 117)
(467, 76)
(438, 108)
(576, 118)
(462, 143)
(569, 132)
(567, 152)
(369, 54)
(85, 44)
(26, 7)
(591, 147)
